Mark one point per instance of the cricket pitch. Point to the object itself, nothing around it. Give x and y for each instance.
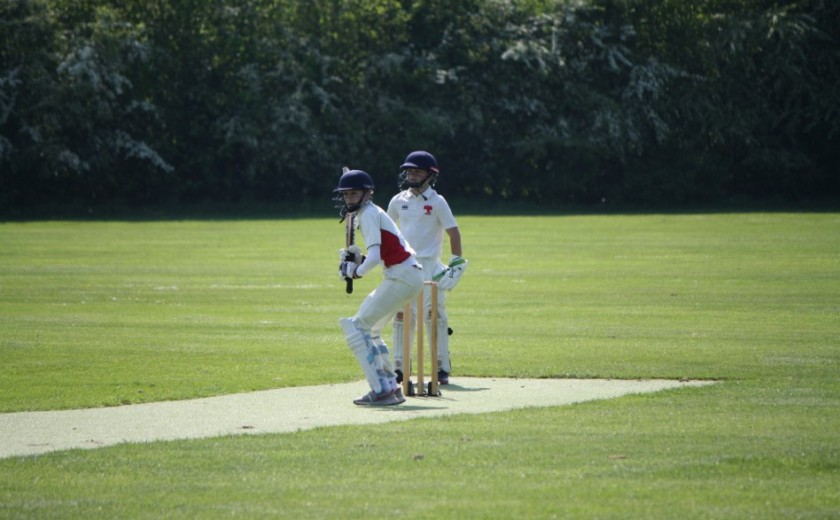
(288, 410)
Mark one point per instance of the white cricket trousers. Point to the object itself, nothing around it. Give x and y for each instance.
(402, 284)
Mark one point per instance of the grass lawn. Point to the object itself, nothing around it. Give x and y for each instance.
(108, 313)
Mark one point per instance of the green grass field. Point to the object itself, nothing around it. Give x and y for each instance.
(108, 313)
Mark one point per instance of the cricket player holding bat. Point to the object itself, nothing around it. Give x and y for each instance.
(402, 282)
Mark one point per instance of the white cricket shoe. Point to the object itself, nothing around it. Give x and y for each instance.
(373, 399)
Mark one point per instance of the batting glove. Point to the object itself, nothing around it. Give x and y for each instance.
(347, 270)
(351, 254)
(449, 277)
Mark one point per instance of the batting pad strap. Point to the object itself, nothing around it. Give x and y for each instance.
(364, 350)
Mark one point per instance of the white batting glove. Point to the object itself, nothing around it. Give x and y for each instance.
(449, 277)
(351, 254)
(347, 270)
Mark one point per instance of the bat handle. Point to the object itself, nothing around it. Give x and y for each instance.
(349, 279)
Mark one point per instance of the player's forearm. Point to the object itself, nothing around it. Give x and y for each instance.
(371, 260)
(455, 241)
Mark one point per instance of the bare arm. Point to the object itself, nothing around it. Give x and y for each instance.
(454, 241)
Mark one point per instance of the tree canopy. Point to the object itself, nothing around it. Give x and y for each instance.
(141, 102)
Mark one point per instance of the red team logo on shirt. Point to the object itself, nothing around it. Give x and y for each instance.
(428, 209)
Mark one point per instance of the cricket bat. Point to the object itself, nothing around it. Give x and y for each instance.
(349, 238)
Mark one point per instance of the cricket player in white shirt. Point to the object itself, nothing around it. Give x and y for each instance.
(424, 217)
(402, 282)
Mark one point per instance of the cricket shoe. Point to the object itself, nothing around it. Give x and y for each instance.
(443, 377)
(399, 396)
(381, 399)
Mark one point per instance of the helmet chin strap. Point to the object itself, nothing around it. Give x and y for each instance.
(355, 206)
(420, 191)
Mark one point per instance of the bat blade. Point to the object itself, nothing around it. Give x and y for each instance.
(349, 239)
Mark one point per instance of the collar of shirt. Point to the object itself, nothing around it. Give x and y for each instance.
(427, 194)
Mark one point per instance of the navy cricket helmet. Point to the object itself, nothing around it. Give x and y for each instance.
(352, 180)
(420, 160)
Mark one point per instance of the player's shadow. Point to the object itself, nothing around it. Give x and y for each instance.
(416, 402)
(459, 388)
(406, 407)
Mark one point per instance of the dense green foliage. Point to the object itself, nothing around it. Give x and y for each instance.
(138, 102)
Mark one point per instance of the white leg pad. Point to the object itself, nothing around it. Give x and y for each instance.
(385, 356)
(365, 351)
(384, 365)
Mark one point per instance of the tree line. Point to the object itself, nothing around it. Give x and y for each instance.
(167, 102)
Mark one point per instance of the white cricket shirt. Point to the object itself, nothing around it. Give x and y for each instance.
(423, 219)
(378, 230)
